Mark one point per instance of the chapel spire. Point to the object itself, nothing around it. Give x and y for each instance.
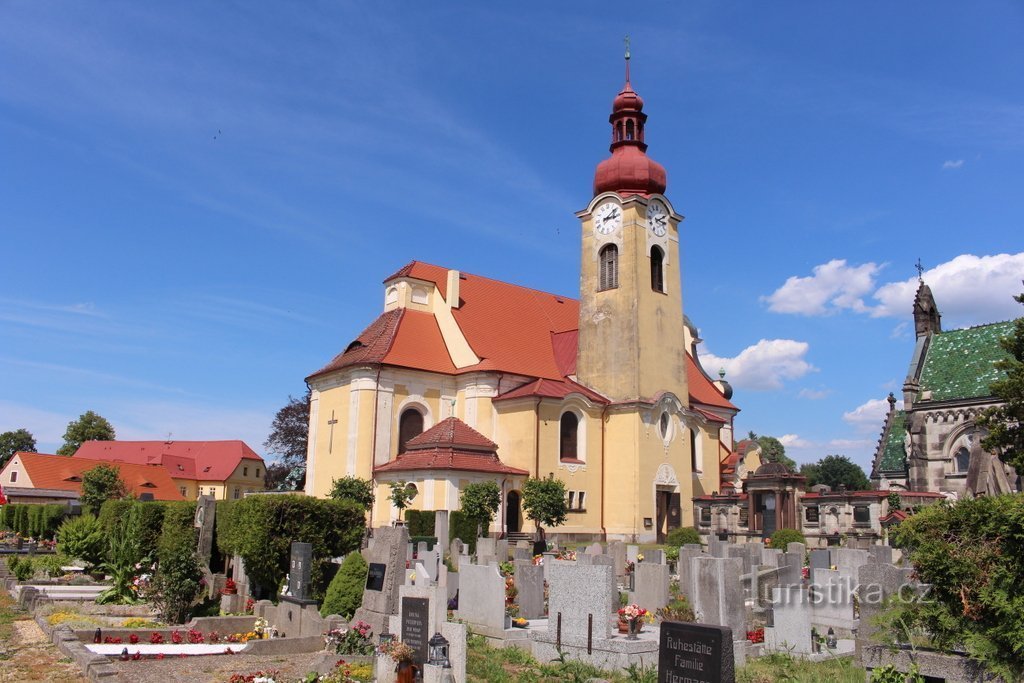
(629, 170)
(927, 319)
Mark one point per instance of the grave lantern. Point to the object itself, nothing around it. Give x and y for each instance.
(437, 650)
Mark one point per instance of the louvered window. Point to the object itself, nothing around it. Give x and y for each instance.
(657, 270)
(409, 425)
(609, 258)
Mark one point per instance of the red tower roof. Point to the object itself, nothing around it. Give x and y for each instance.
(629, 170)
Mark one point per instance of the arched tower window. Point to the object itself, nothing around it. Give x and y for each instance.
(569, 428)
(410, 425)
(618, 132)
(962, 459)
(629, 129)
(609, 276)
(657, 269)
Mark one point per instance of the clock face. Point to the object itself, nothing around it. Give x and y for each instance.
(608, 218)
(657, 218)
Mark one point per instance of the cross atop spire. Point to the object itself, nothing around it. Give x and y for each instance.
(920, 271)
(626, 41)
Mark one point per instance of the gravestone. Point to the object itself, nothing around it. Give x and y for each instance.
(849, 560)
(485, 550)
(791, 567)
(380, 599)
(821, 558)
(695, 653)
(415, 627)
(880, 554)
(529, 580)
(655, 556)
(685, 569)
(581, 595)
(719, 599)
(875, 585)
(594, 549)
(441, 530)
(617, 550)
(831, 596)
(606, 561)
(651, 588)
(299, 570)
(501, 550)
(482, 597)
(521, 552)
(631, 552)
(206, 510)
(791, 621)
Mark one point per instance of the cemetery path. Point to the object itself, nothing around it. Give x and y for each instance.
(26, 654)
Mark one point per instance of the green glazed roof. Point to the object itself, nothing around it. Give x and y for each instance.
(894, 456)
(960, 363)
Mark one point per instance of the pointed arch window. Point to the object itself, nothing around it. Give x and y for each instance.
(962, 460)
(657, 269)
(609, 267)
(568, 443)
(410, 425)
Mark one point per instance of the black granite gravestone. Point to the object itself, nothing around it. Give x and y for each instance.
(695, 654)
(299, 570)
(414, 627)
(375, 576)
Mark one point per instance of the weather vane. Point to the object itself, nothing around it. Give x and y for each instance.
(920, 271)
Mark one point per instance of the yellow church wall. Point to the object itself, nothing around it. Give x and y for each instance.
(515, 434)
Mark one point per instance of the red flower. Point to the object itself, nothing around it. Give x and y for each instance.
(133, 639)
(176, 637)
(160, 655)
(156, 638)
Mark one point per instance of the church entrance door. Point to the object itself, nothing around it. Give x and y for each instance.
(663, 503)
(513, 521)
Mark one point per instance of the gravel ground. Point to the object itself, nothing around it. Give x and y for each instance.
(29, 656)
(215, 668)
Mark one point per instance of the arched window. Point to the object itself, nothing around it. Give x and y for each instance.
(409, 426)
(569, 428)
(663, 424)
(609, 276)
(657, 269)
(629, 129)
(962, 459)
(618, 132)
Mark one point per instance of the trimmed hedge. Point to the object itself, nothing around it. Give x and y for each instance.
(262, 528)
(37, 521)
(150, 516)
(420, 522)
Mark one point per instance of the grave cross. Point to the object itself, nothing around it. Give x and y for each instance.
(333, 421)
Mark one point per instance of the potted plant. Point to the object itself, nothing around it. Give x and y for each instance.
(633, 615)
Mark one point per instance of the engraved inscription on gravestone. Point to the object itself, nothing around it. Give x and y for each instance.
(695, 654)
(298, 574)
(375, 576)
(414, 627)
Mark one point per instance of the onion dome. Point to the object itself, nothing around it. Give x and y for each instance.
(629, 170)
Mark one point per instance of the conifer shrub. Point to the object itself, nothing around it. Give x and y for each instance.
(83, 538)
(682, 536)
(177, 581)
(783, 537)
(972, 554)
(345, 594)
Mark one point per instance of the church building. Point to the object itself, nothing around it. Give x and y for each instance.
(464, 379)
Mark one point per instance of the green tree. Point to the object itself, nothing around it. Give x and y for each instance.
(289, 435)
(772, 450)
(1005, 422)
(15, 441)
(544, 501)
(345, 594)
(176, 582)
(682, 536)
(99, 485)
(783, 537)
(839, 470)
(354, 489)
(402, 494)
(88, 427)
(811, 470)
(480, 501)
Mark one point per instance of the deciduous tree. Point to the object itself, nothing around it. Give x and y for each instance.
(100, 484)
(354, 489)
(290, 431)
(480, 501)
(1005, 422)
(15, 441)
(839, 470)
(88, 427)
(544, 501)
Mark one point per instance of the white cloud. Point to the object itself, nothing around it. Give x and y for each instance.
(794, 441)
(949, 163)
(968, 290)
(869, 416)
(850, 443)
(814, 394)
(833, 287)
(763, 366)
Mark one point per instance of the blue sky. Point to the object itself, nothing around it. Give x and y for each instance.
(198, 201)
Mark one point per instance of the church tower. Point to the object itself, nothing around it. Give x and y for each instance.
(631, 339)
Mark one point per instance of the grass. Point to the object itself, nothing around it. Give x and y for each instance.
(782, 667)
(8, 612)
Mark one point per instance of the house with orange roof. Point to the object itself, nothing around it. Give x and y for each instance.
(222, 469)
(43, 478)
(464, 378)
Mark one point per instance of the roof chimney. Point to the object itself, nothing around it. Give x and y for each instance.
(453, 289)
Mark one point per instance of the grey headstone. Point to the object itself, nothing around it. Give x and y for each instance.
(849, 560)
(719, 599)
(594, 549)
(521, 554)
(791, 567)
(617, 550)
(456, 548)
(880, 554)
(791, 621)
(655, 556)
(206, 510)
(631, 552)
(832, 599)
(530, 583)
(651, 587)
(299, 570)
(820, 559)
(485, 546)
(576, 592)
(687, 575)
(389, 550)
(482, 596)
(441, 529)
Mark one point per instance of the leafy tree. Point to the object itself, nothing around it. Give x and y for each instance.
(401, 495)
(177, 581)
(289, 433)
(99, 485)
(1005, 422)
(480, 501)
(544, 501)
(811, 471)
(354, 489)
(82, 538)
(836, 470)
(772, 450)
(683, 535)
(15, 441)
(88, 427)
(345, 594)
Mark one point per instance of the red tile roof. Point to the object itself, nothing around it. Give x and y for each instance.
(198, 460)
(65, 474)
(870, 494)
(547, 388)
(510, 328)
(711, 417)
(450, 445)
